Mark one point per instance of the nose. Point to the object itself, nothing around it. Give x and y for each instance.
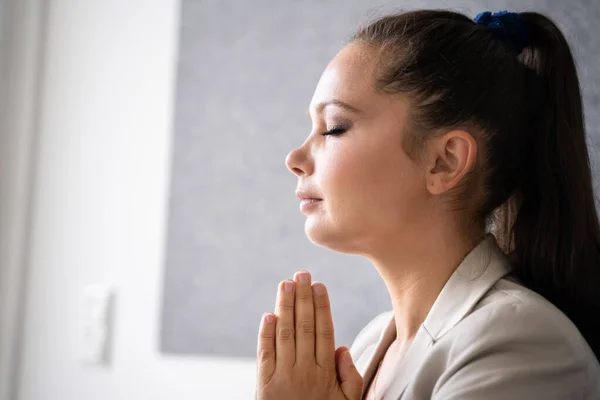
(298, 163)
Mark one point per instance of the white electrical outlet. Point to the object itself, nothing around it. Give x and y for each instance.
(96, 321)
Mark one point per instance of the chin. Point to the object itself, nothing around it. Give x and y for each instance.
(333, 238)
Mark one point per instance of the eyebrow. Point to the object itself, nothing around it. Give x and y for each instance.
(335, 102)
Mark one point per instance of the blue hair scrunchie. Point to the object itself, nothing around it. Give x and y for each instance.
(508, 26)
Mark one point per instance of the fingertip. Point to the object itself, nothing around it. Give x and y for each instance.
(318, 289)
(287, 286)
(339, 354)
(269, 318)
(347, 358)
(302, 276)
(342, 349)
(351, 381)
(268, 322)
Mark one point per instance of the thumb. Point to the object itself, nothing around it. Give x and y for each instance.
(349, 378)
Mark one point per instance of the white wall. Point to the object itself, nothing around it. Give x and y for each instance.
(99, 211)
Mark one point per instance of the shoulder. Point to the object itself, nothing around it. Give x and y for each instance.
(516, 341)
(512, 311)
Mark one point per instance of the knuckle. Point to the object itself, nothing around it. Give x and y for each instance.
(267, 334)
(307, 326)
(323, 306)
(286, 333)
(265, 354)
(326, 332)
(304, 296)
(286, 306)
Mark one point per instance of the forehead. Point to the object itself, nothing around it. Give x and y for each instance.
(348, 78)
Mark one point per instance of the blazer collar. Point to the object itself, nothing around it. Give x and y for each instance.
(485, 265)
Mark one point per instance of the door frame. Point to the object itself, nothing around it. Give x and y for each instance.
(22, 42)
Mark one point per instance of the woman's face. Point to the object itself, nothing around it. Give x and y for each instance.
(371, 192)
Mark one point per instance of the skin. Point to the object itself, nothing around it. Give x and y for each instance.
(377, 202)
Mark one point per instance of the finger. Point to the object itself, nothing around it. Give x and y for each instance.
(325, 339)
(265, 354)
(304, 317)
(285, 347)
(349, 378)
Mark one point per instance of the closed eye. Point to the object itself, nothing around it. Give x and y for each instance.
(335, 131)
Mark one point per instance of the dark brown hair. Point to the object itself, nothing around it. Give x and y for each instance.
(525, 111)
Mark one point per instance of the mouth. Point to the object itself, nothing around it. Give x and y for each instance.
(307, 200)
(307, 204)
(304, 196)
(310, 201)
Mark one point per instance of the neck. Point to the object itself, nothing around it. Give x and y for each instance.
(416, 272)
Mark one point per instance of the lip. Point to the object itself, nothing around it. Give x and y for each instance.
(307, 200)
(303, 195)
(308, 204)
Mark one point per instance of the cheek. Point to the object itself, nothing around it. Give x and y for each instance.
(373, 187)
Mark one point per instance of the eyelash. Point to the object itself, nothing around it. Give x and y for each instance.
(335, 132)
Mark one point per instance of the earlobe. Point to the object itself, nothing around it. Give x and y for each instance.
(453, 156)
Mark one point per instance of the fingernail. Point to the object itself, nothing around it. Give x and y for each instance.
(348, 358)
(318, 289)
(303, 277)
(269, 318)
(288, 286)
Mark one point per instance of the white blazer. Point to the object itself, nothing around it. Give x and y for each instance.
(486, 337)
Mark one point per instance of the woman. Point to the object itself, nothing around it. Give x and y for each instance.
(452, 154)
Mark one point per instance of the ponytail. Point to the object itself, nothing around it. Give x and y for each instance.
(549, 226)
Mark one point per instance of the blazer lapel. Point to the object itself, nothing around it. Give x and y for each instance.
(368, 361)
(476, 274)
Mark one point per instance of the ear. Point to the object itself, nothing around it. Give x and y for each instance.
(451, 156)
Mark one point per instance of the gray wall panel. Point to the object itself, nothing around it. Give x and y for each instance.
(246, 74)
